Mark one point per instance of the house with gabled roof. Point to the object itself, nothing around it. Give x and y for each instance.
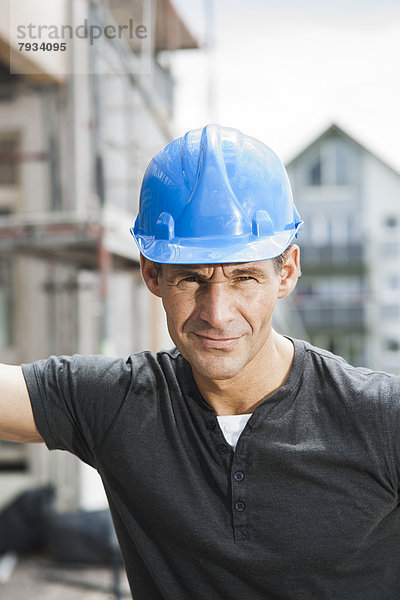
(349, 292)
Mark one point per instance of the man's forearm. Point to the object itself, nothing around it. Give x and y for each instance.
(16, 418)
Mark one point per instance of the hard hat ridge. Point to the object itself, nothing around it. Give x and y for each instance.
(215, 195)
(212, 205)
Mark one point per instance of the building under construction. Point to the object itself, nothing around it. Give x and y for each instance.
(74, 143)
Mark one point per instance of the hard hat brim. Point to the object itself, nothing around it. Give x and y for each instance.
(216, 250)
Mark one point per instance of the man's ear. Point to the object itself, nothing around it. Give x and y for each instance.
(150, 276)
(290, 271)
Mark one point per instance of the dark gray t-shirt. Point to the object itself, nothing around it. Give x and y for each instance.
(306, 508)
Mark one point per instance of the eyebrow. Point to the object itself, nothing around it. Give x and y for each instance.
(248, 270)
(191, 270)
(185, 271)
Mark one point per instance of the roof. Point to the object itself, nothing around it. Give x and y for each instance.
(335, 131)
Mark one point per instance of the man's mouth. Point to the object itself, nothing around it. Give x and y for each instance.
(217, 342)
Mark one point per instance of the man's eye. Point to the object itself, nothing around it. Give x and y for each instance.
(188, 282)
(245, 278)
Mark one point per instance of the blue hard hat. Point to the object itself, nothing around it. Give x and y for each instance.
(215, 195)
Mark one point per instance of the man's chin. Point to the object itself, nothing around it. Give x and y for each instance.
(215, 367)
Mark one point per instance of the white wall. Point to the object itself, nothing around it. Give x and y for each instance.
(382, 199)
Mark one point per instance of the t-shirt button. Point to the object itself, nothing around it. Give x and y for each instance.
(222, 449)
(240, 506)
(238, 476)
(211, 425)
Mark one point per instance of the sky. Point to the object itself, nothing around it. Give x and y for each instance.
(284, 70)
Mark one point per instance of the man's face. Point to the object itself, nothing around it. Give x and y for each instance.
(219, 316)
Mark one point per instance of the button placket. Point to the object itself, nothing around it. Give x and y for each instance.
(239, 489)
(240, 523)
(239, 508)
(219, 442)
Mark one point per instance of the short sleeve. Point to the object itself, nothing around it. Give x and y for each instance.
(391, 402)
(75, 400)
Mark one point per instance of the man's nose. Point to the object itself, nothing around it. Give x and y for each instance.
(216, 304)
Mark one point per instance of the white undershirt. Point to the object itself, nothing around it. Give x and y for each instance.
(232, 426)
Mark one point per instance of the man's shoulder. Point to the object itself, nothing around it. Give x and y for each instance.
(333, 371)
(167, 364)
(336, 361)
(163, 358)
(105, 367)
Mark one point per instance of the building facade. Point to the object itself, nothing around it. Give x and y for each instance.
(349, 293)
(74, 144)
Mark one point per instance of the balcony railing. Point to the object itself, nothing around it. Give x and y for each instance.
(332, 317)
(332, 254)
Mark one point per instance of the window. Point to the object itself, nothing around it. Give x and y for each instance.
(390, 312)
(340, 231)
(9, 172)
(320, 230)
(342, 166)
(391, 221)
(339, 290)
(10, 188)
(315, 173)
(392, 345)
(354, 232)
(335, 162)
(393, 282)
(390, 249)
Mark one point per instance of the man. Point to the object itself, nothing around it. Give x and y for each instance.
(242, 464)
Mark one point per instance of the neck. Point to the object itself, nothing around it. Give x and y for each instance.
(258, 380)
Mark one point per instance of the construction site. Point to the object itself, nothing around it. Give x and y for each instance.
(75, 138)
(74, 143)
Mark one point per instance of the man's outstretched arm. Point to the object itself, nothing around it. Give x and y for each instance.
(16, 417)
